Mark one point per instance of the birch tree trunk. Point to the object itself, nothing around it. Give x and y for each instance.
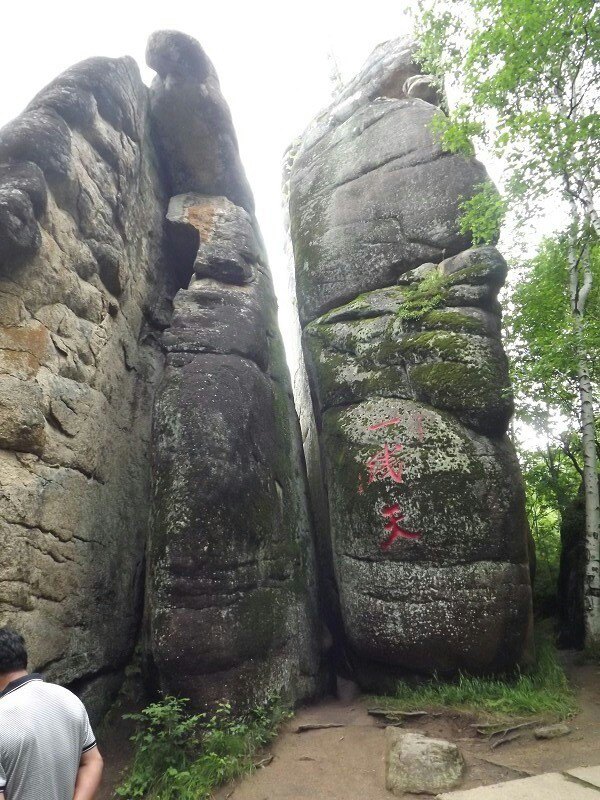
(592, 506)
(580, 285)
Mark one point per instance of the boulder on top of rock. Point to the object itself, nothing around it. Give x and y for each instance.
(222, 236)
(425, 87)
(192, 122)
(372, 191)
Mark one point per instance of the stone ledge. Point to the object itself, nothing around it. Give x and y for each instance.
(576, 784)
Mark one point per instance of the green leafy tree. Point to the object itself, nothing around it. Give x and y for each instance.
(544, 341)
(552, 479)
(528, 72)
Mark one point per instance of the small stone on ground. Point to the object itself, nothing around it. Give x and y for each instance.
(415, 763)
(552, 731)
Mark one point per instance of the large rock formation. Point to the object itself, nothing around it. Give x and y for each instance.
(147, 425)
(84, 273)
(231, 583)
(88, 270)
(410, 385)
(231, 570)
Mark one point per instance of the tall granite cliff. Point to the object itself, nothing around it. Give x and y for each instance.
(85, 280)
(231, 580)
(409, 383)
(113, 197)
(152, 474)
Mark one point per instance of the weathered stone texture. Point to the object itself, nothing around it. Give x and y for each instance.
(82, 266)
(91, 255)
(456, 596)
(231, 608)
(419, 765)
(373, 197)
(410, 387)
(231, 569)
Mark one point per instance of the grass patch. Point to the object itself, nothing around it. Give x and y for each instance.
(185, 756)
(545, 691)
(423, 297)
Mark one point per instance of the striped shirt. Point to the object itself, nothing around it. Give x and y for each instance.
(44, 729)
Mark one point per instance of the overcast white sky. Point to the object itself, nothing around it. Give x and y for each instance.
(271, 57)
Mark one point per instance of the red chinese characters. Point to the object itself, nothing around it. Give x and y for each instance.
(394, 516)
(386, 464)
(414, 420)
(377, 425)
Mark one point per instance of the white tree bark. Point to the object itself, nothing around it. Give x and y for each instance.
(592, 506)
(587, 199)
(580, 284)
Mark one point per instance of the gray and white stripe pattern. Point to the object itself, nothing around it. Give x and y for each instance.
(44, 729)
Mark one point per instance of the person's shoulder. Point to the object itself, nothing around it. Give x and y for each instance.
(60, 694)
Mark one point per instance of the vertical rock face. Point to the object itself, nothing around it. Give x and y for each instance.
(83, 275)
(231, 589)
(89, 266)
(409, 383)
(231, 566)
(146, 409)
(191, 121)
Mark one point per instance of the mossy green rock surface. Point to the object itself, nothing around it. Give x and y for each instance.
(417, 501)
(231, 598)
(410, 390)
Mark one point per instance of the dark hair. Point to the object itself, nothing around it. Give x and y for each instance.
(13, 655)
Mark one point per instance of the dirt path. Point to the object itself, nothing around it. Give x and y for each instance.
(347, 763)
(114, 741)
(342, 763)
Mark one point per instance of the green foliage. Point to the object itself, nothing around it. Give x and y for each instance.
(544, 691)
(541, 338)
(551, 483)
(543, 342)
(424, 296)
(456, 138)
(527, 72)
(184, 756)
(482, 214)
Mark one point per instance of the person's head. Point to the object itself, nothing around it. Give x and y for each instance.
(13, 654)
